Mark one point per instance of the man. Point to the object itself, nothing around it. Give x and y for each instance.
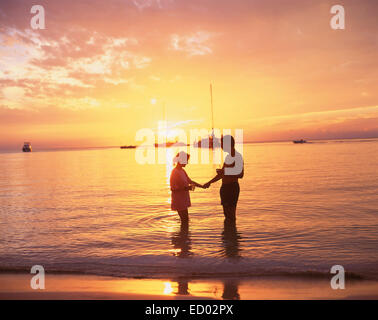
(231, 172)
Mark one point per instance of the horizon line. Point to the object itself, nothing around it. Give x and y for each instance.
(246, 142)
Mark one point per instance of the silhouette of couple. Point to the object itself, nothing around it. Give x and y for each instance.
(231, 172)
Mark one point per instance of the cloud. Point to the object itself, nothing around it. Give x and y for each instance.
(82, 103)
(46, 70)
(154, 78)
(194, 44)
(142, 4)
(13, 93)
(116, 81)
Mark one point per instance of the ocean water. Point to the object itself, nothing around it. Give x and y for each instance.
(302, 209)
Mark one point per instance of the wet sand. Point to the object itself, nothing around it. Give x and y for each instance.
(73, 286)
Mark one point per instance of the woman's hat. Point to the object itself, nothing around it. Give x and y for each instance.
(182, 157)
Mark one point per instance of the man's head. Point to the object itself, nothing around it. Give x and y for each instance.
(227, 143)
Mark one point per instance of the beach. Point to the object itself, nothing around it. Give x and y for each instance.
(67, 287)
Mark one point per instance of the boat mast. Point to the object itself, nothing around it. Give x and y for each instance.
(164, 112)
(212, 110)
(165, 121)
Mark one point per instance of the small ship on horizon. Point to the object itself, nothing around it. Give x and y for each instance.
(27, 147)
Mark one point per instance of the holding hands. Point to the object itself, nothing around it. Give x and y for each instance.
(192, 187)
(220, 173)
(206, 185)
(203, 186)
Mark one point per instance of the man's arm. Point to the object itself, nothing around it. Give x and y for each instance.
(219, 176)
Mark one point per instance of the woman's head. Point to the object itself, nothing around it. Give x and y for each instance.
(181, 159)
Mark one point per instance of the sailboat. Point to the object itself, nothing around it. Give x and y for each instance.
(169, 144)
(211, 141)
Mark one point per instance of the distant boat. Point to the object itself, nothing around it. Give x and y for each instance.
(210, 142)
(165, 144)
(169, 144)
(128, 147)
(27, 147)
(299, 141)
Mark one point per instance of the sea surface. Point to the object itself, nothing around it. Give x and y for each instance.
(302, 209)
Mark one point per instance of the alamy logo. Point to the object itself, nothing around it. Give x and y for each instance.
(37, 281)
(338, 280)
(201, 143)
(338, 20)
(38, 21)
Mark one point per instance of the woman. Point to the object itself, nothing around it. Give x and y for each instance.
(180, 186)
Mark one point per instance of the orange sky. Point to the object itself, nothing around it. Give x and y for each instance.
(278, 70)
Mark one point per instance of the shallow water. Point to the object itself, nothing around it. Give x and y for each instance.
(302, 209)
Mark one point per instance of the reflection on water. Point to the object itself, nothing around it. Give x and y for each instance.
(230, 289)
(169, 155)
(167, 288)
(181, 242)
(231, 240)
(183, 287)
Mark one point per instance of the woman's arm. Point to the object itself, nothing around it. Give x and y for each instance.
(193, 182)
(196, 184)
